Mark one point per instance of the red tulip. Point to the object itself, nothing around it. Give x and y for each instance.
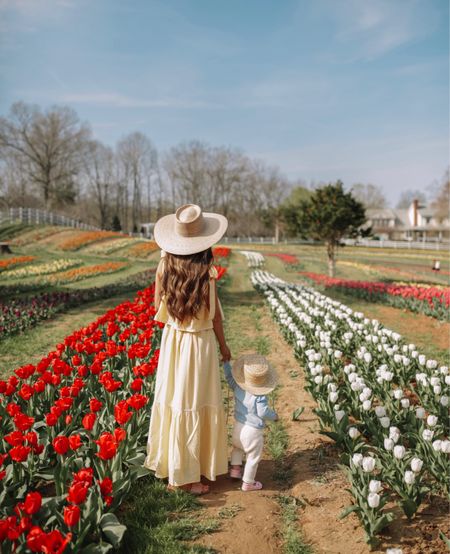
(119, 434)
(95, 404)
(78, 492)
(61, 444)
(51, 420)
(137, 401)
(71, 515)
(32, 503)
(15, 438)
(75, 442)
(88, 421)
(106, 486)
(108, 446)
(23, 422)
(19, 453)
(36, 539)
(85, 475)
(121, 412)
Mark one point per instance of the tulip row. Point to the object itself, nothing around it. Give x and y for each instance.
(288, 259)
(76, 423)
(254, 259)
(83, 238)
(16, 260)
(72, 275)
(141, 249)
(22, 313)
(432, 301)
(382, 401)
(106, 247)
(41, 269)
(221, 252)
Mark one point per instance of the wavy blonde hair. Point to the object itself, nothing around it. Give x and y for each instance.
(185, 283)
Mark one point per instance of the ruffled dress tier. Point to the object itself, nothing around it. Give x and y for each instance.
(187, 434)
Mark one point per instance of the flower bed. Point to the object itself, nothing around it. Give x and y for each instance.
(142, 249)
(285, 258)
(83, 238)
(221, 252)
(85, 272)
(109, 246)
(76, 421)
(254, 259)
(22, 313)
(35, 235)
(10, 262)
(383, 402)
(432, 301)
(40, 269)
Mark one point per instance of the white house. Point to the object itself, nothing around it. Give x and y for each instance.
(414, 223)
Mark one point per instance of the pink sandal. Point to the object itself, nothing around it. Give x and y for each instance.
(236, 473)
(256, 486)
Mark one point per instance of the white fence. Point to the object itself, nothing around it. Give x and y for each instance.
(410, 245)
(32, 216)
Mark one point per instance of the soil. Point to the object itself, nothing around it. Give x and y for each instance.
(251, 522)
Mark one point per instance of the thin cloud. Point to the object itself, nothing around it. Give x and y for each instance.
(115, 100)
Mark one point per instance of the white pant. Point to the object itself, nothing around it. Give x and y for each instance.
(248, 440)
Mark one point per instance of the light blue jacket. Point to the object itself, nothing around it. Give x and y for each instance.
(248, 408)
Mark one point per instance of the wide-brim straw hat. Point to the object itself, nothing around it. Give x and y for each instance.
(189, 230)
(253, 373)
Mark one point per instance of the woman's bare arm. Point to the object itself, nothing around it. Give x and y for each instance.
(158, 276)
(218, 329)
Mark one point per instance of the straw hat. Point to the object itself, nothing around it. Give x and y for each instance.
(254, 374)
(189, 230)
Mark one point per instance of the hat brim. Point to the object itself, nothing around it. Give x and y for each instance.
(214, 227)
(237, 371)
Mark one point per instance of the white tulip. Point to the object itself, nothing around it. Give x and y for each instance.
(416, 464)
(432, 420)
(445, 446)
(394, 433)
(367, 357)
(375, 486)
(434, 381)
(385, 422)
(368, 464)
(354, 433)
(409, 477)
(399, 451)
(404, 402)
(437, 389)
(380, 411)
(357, 459)
(420, 413)
(427, 434)
(366, 405)
(398, 394)
(388, 444)
(339, 415)
(444, 400)
(318, 379)
(437, 445)
(394, 551)
(333, 396)
(447, 379)
(422, 359)
(373, 500)
(338, 354)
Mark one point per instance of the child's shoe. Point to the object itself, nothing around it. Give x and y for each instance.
(236, 472)
(255, 486)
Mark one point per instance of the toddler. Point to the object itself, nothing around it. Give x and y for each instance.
(250, 378)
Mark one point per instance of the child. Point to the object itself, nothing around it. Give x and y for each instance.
(187, 432)
(251, 378)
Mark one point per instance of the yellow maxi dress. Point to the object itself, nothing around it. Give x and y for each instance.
(187, 435)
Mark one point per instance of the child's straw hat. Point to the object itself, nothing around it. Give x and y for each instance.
(189, 230)
(253, 373)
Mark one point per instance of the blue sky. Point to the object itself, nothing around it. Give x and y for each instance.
(326, 89)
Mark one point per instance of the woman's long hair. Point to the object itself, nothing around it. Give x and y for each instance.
(185, 283)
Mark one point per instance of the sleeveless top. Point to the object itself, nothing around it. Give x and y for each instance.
(204, 317)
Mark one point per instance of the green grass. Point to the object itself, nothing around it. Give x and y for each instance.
(293, 540)
(33, 344)
(159, 521)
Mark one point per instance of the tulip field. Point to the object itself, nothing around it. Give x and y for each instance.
(74, 422)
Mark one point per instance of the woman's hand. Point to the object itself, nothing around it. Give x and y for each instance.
(226, 354)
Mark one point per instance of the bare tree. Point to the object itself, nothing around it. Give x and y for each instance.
(50, 146)
(137, 156)
(101, 179)
(441, 202)
(407, 196)
(371, 196)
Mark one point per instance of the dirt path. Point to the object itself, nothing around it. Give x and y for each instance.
(251, 523)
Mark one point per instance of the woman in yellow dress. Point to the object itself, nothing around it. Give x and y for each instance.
(187, 435)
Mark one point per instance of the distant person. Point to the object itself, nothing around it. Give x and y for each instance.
(436, 265)
(251, 378)
(187, 436)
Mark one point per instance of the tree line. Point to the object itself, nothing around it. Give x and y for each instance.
(50, 159)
